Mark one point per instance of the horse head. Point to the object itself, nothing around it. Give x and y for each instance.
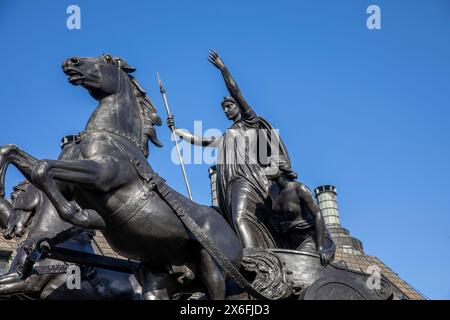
(24, 199)
(124, 106)
(99, 75)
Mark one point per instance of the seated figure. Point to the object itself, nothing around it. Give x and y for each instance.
(297, 218)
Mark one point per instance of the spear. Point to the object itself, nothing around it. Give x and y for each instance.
(169, 114)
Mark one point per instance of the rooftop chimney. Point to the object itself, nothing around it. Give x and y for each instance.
(213, 178)
(326, 196)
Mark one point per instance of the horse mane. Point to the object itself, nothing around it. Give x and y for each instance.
(148, 115)
(147, 111)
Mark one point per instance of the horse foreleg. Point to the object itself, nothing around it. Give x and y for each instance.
(24, 162)
(156, 284)
(212, 276)
(87, 174)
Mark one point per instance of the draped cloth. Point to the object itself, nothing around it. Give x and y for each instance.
(241, 177)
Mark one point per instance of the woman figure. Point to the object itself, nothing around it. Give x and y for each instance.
(241, 182)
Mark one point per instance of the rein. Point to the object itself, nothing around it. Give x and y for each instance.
(83, 134)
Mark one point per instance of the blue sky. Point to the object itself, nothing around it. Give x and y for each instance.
(367, 111)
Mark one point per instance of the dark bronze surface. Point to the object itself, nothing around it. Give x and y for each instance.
(242, 186)
(102, 180)
(33, 213)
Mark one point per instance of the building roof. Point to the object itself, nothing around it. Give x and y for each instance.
(349, 250)
(102, 247)
(362, 262)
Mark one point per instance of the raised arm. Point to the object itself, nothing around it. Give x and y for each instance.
(246, 111)
(189, 137)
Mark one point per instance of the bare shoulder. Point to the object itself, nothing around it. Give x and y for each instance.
(291, 188)
(303, 189)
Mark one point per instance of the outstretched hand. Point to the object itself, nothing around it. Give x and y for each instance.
(214, 58)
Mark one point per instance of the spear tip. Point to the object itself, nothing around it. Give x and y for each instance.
(161, 87)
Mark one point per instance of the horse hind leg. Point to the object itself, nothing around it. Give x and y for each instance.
(212, 276)
(156, 284)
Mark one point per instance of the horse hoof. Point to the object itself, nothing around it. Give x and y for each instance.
(158, 294)
(198, 296)
(93, 219)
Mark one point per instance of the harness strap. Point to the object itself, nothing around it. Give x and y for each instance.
(38, 248)
(70, 139)
(96, 283)
(165, 194)
(65, 235)
(108, 132)
(90, 274)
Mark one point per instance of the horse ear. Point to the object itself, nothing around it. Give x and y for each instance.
(128, 69)
(124, 65)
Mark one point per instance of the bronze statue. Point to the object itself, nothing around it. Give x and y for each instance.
(102, 180)
(17, 223)
(5, 212)
(241, 182)
(33, 213)
(296, 215)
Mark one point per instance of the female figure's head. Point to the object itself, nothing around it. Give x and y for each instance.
(280, 167)
(231, 109)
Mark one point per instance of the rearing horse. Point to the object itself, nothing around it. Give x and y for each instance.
(103, 181)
